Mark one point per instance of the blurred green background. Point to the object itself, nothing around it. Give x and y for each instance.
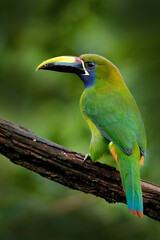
(125, 32)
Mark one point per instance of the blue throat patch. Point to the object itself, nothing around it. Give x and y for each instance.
(88, 80)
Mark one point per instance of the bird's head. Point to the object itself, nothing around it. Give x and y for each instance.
(93, 69)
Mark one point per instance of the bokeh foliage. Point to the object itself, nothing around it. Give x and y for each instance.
(125, 32)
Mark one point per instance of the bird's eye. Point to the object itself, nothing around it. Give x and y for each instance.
(90, 64)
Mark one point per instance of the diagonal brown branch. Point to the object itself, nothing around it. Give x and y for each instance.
(65, 166)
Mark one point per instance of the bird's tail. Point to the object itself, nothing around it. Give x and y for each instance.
(130, 174)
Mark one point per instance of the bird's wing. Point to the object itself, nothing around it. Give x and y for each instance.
(117, 120)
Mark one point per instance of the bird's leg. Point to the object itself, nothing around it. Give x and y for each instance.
(87, 157)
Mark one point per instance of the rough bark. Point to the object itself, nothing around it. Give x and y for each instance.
(66, 167)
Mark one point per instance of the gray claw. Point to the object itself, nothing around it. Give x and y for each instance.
(87, 157)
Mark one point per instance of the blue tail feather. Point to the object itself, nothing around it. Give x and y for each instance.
(131, 181)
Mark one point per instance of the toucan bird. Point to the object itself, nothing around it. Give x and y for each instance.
(113, 117)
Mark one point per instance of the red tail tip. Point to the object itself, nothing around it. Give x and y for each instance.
(136, 213)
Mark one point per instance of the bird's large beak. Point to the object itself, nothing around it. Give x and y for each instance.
(64, 64)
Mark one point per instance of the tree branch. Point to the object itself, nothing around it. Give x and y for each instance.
(65, 166)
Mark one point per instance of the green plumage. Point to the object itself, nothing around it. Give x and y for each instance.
(111, 107)
(113, 116)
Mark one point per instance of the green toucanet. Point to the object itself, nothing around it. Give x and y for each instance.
(113, 117)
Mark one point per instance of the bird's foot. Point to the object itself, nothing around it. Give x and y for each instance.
(87, 157)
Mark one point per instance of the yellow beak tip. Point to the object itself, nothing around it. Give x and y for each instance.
(39, 67)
